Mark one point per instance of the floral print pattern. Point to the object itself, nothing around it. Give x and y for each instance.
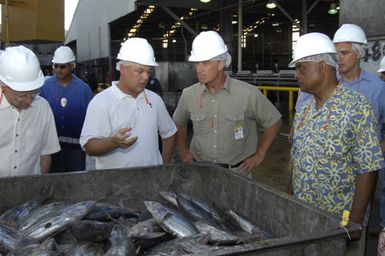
(331, 146)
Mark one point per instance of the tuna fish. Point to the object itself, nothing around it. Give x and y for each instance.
(120, 243)
(170, 197)
(88, 248)
(249, 227)
(170, 220)
(14, 216)
(191, 208)
(58, 220)
(216, 234)
(91, 230)
(106, 212)
(196, 245)
(39, 213)
(10, 239)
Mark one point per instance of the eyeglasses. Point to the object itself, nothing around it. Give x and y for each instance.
(61, 66)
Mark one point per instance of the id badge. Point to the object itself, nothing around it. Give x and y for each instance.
(238, 132)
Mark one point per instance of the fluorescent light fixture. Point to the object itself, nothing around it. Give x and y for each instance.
(271, 4)
(333, 9)
(234, 22)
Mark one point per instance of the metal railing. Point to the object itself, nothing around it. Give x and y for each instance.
(289, 89)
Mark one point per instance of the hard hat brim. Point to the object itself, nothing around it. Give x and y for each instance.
(151, 64)
(293, 62)
(198, 58)
(25, 86)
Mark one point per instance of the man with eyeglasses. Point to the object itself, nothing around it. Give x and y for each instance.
(68, 97)
(123, 122)
(27, 131)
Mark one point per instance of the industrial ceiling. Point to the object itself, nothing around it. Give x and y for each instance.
(208, 16)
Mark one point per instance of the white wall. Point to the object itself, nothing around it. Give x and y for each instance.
(90, 26)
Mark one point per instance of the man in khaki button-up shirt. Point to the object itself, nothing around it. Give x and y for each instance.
(225, 112)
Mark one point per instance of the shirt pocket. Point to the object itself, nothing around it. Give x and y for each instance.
(236, 127)
(33, 139)
(200, 123)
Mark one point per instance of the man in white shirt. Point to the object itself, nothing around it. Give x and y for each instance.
(123, 122)
(27, 131)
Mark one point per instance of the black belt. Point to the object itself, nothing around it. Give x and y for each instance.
(229, 166)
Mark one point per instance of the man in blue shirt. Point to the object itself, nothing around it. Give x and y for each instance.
(381, 70)
(154, 85)
(68, 97)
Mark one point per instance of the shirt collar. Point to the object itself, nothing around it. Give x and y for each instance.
(4, 102)
(363, 76)
(121, 95)
(227, 85)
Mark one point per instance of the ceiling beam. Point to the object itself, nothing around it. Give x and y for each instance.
(175, 17)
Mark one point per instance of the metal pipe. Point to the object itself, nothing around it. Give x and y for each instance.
(240, 36)
(304, 17)
(6, 23)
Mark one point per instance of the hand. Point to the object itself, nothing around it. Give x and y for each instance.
(249, 164)
(356, 235)
(381, 244)
(185, 155)
(290, 138)
(123, 138)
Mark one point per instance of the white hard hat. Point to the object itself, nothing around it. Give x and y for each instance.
(312, 44)
(20, 69)
(137, 50)
(350, 33)
(63, 54)
(382, 65)
(207, 45)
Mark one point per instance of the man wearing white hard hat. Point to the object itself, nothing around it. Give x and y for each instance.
(68, 97)
(122, 122)
(336, 152)
(350, 41)
(225, 112)
(27, 131)
(381, 70)
(381, 240)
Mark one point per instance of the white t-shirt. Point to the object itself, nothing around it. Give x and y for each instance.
(25, 136)
(111, 110)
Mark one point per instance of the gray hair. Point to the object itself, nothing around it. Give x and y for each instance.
(328, 58)
(359, 49)
(224, 56)
(123, 62)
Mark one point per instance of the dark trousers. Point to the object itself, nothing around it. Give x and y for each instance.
(68, 160)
